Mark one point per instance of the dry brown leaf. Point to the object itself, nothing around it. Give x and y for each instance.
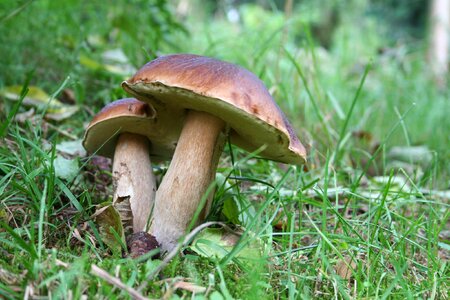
(68, 96)
(24, 116)
(345, 268)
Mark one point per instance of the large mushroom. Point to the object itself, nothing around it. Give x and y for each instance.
(213, 99)
(125, 130)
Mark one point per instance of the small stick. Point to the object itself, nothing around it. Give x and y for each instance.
(97, 271)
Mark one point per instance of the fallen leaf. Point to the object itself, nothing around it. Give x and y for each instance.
(61, 113)
(113, 61)
(66, 168)
(420, 155)
(22, 117)
(68, 96)
(96, 40)
(38, 98)
(188, 286)
(72, 148)
(345, 268)
(90, 63)
(110, 227)
(396, 183)
(217, 242)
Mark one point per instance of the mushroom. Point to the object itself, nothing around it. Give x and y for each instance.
(125, 129)
(212, 99)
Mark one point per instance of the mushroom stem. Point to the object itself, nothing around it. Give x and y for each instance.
(134, 181)
(191, 171)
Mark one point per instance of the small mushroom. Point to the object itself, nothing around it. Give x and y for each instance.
(125, 129)
(212, 99)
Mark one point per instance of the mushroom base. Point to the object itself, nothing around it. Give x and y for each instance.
(190, 174)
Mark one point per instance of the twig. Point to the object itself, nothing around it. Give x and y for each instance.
(97, 271)
(180, 245)
(61, 131)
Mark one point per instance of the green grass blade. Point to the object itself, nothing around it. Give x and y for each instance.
(337, 156)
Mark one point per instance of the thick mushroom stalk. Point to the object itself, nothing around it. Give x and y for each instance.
(134, 181)
(191, 172)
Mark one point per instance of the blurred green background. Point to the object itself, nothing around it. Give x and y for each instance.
(99, 43)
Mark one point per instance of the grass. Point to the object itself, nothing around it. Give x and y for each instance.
(363, 222)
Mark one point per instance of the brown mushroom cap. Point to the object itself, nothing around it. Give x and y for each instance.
(174, 83)
(133, 116)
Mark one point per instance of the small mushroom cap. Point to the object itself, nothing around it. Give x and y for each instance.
(133, 116)
(174, 83)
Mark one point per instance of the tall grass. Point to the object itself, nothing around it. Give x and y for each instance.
(351, 226)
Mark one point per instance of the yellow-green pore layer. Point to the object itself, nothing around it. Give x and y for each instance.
(175, 83)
